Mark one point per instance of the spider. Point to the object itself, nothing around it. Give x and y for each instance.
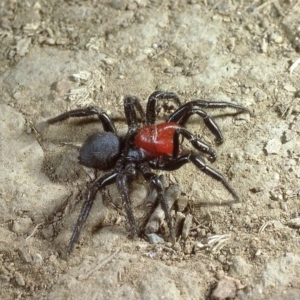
(151, 146)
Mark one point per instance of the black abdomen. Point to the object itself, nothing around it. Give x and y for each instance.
(100, 151)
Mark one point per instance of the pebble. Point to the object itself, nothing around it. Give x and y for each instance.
(23, 46)
(21, 225)
(19, 279)
(177, 247)
(264, 46)
(25, 255)
(182, 203)
(260, 95)
(37, 258)
(225, 289)
(274, 37)
(273, 146)
(278, 39)
(173, 70)
(178, 222)
(222, 258)
(155, 239)
(294, 222)
(187, 226)
(118, 4)
(290, 88)
(250, 27)
(240, 267)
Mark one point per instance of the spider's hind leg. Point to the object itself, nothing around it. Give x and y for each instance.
(107, 123)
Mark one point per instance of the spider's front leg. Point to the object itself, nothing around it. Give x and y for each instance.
(87, 205)
(150, 110)
(177, 163)
(132, 103)
(196, 143)
(183, 113)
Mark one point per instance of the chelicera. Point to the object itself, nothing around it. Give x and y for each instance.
(143, 148)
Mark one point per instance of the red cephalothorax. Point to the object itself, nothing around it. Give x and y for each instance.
(157, 140)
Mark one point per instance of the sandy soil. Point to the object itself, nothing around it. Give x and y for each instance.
(62, 55)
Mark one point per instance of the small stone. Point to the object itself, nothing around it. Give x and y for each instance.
(273, 146)
(225, 289)
(258, 252)
(250, 27)
(290, 88)
(50, 41)
(220, 274)
(23, 46)
(25, 255)
(294, 222)
(177, 247)
(173, 70)
(200, 246)
(188, 248)
(37, 258)
(178, 222)
(260, 95)
(278, 39)
(187, 226)
(264, 46)
(289, 135)
(222, 258)
(155, 239)
(21, 225)
(62, 41)
(118, 4)
(240, 267)
(19, 279)
(182, 203)
(276, 195)
(131, 6)
(163, 87)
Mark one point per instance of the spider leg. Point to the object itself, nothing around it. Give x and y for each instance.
(130, 104)
(183, 113)
(157, 184)
(174, 164)
(196, 143)
(123, 188)
(150, 110)
(107, 123)
(100, 183)
(218, 104)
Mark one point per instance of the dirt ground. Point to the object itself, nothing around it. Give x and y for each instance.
(62, 55)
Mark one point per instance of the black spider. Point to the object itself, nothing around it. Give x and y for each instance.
(153, 146)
